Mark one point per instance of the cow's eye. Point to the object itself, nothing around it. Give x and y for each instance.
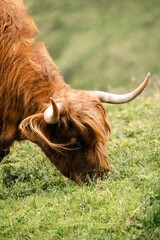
(74, 142)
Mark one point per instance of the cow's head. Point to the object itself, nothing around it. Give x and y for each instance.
(73, 130)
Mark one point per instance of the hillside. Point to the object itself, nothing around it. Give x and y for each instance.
(97, 44)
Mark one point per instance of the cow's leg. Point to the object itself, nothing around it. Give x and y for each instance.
(6, 140)
(4, 147)
(3, 152)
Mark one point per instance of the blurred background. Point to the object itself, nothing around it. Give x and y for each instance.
(101, 44)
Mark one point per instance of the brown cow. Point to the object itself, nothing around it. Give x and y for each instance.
(69, 125)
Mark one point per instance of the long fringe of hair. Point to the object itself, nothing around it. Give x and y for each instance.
(35, 124)
(87, 119)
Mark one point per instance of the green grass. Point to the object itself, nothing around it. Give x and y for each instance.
(36, 202)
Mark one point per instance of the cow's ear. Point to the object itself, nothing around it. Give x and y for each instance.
(52, 113)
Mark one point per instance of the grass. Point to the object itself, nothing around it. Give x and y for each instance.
(36, 202)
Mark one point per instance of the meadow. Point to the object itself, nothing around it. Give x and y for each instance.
(36, 202)
(105, 45)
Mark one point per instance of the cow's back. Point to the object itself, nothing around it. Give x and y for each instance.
(28, 76)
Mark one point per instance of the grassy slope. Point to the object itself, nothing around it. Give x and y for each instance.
(101, 43)
(36, 202)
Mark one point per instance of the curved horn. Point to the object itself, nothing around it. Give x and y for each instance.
(121, 98)
(52, 113)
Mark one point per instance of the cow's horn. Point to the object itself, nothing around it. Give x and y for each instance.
(121, 98)
(52, 113)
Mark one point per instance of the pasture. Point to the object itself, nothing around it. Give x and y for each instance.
(105, 45)
(36, 202)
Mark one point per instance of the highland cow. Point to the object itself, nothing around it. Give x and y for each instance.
(70, 126)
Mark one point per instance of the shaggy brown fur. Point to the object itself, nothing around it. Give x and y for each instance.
(28, 78)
